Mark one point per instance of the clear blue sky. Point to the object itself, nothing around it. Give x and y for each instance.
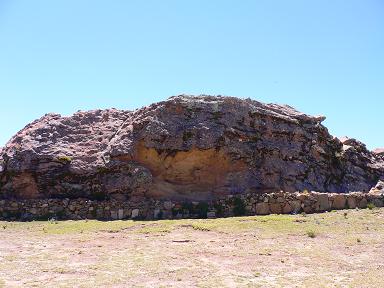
(322, 57)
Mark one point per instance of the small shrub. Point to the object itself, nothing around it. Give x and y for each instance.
(311, 234)
(371, 206)
(200, 227)
(64, 159)
(358, 240)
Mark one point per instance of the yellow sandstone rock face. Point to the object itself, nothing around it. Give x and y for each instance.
(192, 174)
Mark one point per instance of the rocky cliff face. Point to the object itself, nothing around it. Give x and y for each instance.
(192, 148)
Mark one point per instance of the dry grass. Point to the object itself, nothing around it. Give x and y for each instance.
(319, 250)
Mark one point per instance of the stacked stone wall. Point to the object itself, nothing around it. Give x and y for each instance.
(232, 205)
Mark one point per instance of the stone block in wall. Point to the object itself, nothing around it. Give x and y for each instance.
(135, 213)
(302, 197)
(296, 206)
(167, 214)
(363, 203)
(157, 213)
(339, 201)
(271, 199)
(275, 208)
(287, 209)
(308, 209)
(167, 205)
(114, 214)
(186, 214)
(262, 208)
(322, 202)
(120, 214)
(280, 199)
(99, 213)
(351, 202)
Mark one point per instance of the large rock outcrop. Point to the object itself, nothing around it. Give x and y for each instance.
(192, 148)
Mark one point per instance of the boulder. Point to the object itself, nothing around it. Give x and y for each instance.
(378, 189)
(187, 148)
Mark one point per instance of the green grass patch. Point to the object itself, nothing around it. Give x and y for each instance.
(371, 206)
(311, 234)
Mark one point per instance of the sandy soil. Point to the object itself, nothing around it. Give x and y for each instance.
(335, 249)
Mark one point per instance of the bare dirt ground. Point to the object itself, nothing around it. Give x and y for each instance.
(335, 249)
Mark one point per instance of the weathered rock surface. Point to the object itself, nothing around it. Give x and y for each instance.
(192, 148)
(379, 152)
(378, 189)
